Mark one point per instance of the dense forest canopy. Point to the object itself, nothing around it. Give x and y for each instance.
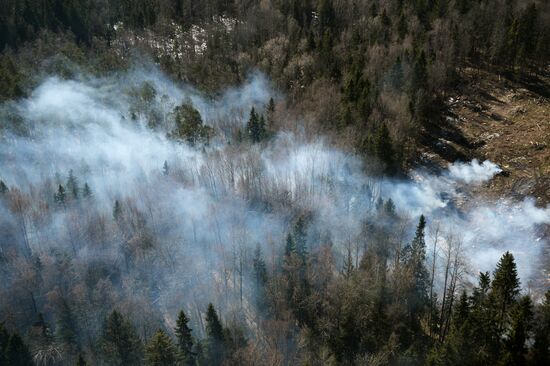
(240, 182)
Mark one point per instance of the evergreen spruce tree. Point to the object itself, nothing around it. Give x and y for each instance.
(4, 338)
(239, 136)
(17, 353)
(389, 208)
(165, 168)
(457, 347)
(270, 115)
(3, 187)
(386, 27)
(255, 127)
(290, 246)
(260, 269)
(327, 15)
(541, 348)
(117, 211)
(160, 350)
(189, 125)
(10, 75)
(379, 204)
(60, 196)
(261, 126)
(184, 342)
(420, 73)
(358, 90)
(505, 287)
(252, 125)
(418, 294)
(80, 361)
(346, 116)
(485, 336)
(292, 265)
(72, 185)
(326, 54)
(520, 327)
(418, 253)
(383, 148)
(66, 326)
(348, 268)
(373, 11)
(86, 191)
(418, 89)
(463, 6)
(295, 271)
(200, 354)
(214, 329)
(260, 275)
(300, 239)
(402, 27)
(214, 337)
(120, 343)
(461, 311)
(311, 42)
(480, 293)
(397, 75)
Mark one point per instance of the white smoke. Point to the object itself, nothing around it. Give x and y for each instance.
(473, 172)
(218, 202)
(486, 229)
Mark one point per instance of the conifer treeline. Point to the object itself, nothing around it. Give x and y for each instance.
(383, 304)
(374, 70)
(361, 313)
(354, 64)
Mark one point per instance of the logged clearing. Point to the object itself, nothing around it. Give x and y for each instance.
(505, 121)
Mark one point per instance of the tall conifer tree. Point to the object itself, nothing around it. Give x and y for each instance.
(160, 350)
(120, 343)
(214, 337)
(184, 340)
(505, 287)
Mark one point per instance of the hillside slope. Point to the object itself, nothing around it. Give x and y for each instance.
(492, 117)
(506, 121)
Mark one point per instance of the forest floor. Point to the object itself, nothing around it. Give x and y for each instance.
(503, 120)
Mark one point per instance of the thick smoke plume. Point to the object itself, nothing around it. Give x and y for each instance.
(473, 172)
(188, 226)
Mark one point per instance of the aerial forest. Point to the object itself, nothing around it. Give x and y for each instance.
(274, 182)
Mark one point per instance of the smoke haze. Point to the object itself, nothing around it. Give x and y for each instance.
(215, 203)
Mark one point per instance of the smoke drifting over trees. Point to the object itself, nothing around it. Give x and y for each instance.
(274, 182)
(105, 208)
